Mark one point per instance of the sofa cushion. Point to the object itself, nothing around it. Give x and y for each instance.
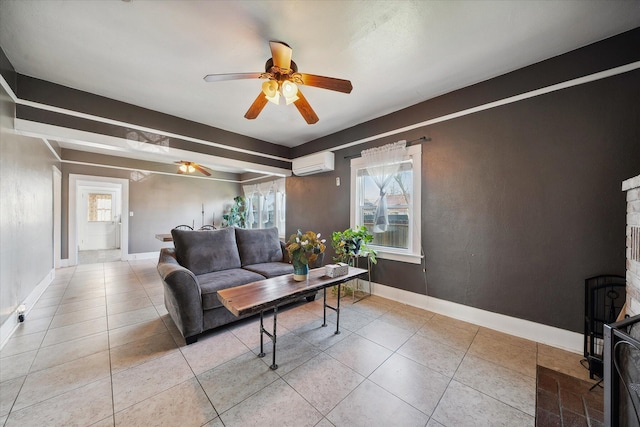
(211, 283)
(206, 251)
(258, 246)
(270, 269)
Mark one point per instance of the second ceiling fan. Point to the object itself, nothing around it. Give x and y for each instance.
(190, 167)
(282, 79)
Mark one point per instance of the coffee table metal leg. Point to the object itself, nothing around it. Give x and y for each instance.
(338, 312)
(324, 308)
(262, 331)
(274, 337)
(336, 309)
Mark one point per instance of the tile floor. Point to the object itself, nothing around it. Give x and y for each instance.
(99, 349)
(99, 256)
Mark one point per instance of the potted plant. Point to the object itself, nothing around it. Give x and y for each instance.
(353, 242)
(237, 214)
(303, 249)
(349, 243)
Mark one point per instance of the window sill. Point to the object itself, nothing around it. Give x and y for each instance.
(402, 257)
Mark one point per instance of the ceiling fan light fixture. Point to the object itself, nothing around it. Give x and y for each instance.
(187, 168)
(270, 90)
(289, 91)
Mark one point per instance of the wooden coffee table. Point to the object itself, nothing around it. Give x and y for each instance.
(264, 295)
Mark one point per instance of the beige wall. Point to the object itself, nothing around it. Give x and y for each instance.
(26, 212)
(158, 202)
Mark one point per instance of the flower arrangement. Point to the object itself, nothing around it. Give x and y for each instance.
(304, 248)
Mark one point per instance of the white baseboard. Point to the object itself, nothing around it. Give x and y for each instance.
(64, 263)
(549, 335)
(142, 255)
(9, 326)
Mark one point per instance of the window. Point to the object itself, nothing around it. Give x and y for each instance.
(266, 205)
(99, 207)
(401, 240)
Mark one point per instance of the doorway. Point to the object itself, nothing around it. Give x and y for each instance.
(98, 222)
(98, 230)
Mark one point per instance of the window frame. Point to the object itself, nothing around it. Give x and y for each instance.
(413, 253)
(94, 199)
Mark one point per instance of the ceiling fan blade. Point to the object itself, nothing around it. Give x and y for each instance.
(331, 83)
(305, 109)
(231, 76)
(281, 54)
(256, 107)
(200, 169)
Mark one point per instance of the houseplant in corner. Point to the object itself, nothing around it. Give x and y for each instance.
(303, 249)
(353, 242)
(237, 214)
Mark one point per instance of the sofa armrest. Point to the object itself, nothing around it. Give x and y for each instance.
(182, 295)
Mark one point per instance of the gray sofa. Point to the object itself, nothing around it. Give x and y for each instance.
(203, 262)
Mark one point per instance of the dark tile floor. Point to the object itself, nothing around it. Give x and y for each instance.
(566, 401)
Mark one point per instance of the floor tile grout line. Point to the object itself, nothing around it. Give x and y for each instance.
(393, 352)
(29, 372)
(435, 408)
(113, 398)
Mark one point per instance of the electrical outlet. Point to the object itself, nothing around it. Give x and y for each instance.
(338, 181)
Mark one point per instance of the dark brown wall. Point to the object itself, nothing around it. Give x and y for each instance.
(48, 93)
(520, 203)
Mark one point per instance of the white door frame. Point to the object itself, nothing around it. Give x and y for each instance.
(82, 215)
(57, 215)
(75, 181)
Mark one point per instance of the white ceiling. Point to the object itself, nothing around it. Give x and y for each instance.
(396, 53)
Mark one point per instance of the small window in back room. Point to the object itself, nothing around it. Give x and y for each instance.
(99, 207)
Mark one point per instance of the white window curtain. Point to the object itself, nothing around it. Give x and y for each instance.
(266, 204)
(249, 193)
(382, 163)
(264, 189)
(281, 196)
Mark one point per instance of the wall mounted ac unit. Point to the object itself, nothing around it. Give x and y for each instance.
(313, 163)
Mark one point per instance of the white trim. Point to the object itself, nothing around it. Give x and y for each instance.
(393, 256)
(76, 180)
(5, 86)
(142, 255)
(545, 334)
(542, 91)
(57, 216)
(145, 129)
(64, 263)
(413, 253)
(11, 324)
(48, 144)
(121, 145)
(99, 165)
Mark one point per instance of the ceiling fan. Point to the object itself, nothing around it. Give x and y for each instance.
(190, 167)
(282, 79)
